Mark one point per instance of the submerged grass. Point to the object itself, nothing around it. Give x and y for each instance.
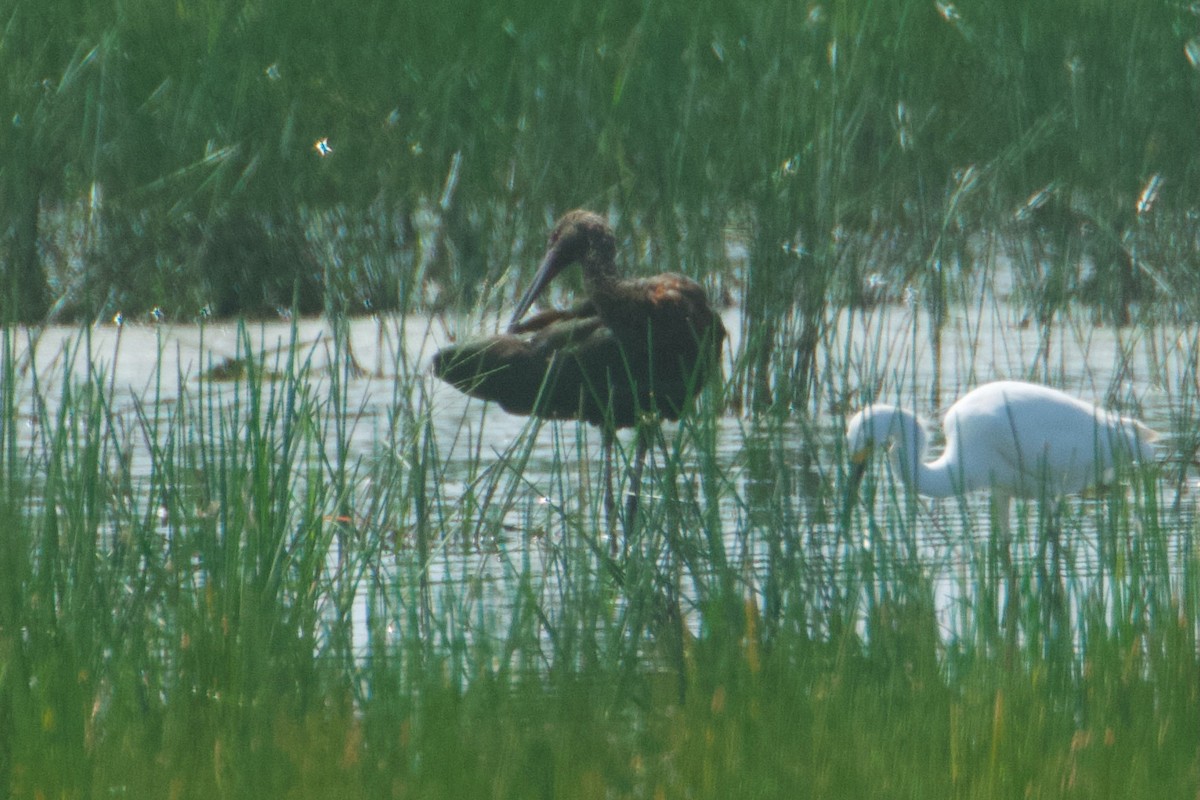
(210, 590)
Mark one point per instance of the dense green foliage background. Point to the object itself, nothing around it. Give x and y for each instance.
(158, 153)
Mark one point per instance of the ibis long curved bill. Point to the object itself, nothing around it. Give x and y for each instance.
(552, 264)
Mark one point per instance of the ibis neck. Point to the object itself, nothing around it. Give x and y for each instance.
(600, 277)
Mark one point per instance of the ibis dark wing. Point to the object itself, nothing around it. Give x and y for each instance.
(572, 368)
(541, 320)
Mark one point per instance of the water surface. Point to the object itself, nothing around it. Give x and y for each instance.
(884, 354)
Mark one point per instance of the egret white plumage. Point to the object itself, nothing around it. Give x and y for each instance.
(1016, 439)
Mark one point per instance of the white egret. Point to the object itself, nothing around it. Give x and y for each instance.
(1013, 438)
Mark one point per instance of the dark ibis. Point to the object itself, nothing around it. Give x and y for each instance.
(635, 351)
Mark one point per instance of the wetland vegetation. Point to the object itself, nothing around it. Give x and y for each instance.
(277, 559)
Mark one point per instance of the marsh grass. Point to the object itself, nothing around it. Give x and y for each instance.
(264, 606)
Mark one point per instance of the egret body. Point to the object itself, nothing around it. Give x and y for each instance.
(1013, 438)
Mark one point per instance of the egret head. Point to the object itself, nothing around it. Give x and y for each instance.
(861, 441)
(880, 426)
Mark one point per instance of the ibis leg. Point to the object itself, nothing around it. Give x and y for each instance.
(610, 503)
(635, 477)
